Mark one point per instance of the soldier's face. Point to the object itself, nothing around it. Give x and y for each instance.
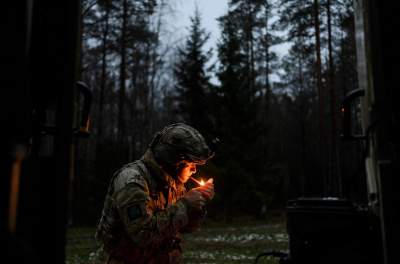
(186, 170)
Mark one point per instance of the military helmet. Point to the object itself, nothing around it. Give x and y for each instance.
(180, 142)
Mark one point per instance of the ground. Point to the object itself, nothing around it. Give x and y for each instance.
(215, 243)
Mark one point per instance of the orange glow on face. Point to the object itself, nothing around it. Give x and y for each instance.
(186, 171)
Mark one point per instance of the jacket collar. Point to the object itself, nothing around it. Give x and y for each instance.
(162, 179)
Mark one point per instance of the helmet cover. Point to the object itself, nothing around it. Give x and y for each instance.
(180, 142)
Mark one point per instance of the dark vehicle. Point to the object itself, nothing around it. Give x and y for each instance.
(333, 230)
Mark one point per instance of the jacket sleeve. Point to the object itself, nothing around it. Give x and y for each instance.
(144, 226)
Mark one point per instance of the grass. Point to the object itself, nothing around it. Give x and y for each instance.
(238, 242)
(80, 245)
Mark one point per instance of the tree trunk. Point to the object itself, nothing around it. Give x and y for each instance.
(251, 46)
(122, 75)
(103, 79)
(302, 119)
(322, 140)
(335, 172)
(267, 59)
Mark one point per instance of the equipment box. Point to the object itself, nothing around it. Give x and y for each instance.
(331, 230)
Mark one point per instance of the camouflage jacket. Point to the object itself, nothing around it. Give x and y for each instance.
(143, 215)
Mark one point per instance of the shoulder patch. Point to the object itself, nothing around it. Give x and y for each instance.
(134, 212)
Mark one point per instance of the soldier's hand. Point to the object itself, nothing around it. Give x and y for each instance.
(195, 199)
(207, 189)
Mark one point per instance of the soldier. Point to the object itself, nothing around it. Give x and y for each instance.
(147, 207)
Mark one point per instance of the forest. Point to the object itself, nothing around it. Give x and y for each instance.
(278, 118)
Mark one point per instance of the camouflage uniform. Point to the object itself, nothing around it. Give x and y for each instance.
(144, 214)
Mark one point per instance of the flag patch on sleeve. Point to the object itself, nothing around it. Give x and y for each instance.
(134, 212)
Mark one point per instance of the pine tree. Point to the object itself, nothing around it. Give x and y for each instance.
(303, 67)
(239, 124)
(192, 79)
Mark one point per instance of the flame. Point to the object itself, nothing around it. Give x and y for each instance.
(201, 182)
